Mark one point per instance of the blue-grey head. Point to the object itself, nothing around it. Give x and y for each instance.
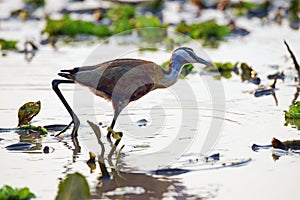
(185, 55)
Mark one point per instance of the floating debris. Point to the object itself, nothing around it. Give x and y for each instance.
(265, 91)
(142, 122)
(91, 161)
(278, 75)
(19, 146)
(141, 146)
(256, 147)
(286, 145)
(247, 72)
(277, 144)
(213, 157)
(46, 149)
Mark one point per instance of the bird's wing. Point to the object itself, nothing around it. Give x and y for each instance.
(118, 78)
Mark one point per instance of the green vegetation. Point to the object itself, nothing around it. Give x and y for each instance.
(209, 32)
(28, 111)
(8, 44)
(39, 129)
(75, 186)
(69, 27)
(294, 9)
(244, 7)
(35, 2)
(121, 12)
(294, 111)
(122, 17)
(9, 193)
(186, 70)
(226, 66)
(150, 29)
(224, 69)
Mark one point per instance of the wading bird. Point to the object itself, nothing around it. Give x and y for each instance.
(124, 80)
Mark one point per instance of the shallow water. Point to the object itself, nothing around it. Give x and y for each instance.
(247, 120)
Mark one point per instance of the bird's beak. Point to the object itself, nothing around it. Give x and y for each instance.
(201, 60)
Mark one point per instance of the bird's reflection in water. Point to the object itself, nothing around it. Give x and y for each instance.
(118, 184)
(140, 186)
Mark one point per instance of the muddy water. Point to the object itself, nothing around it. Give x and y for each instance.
(247, 120)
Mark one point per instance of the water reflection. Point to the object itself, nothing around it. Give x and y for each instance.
(146, 187)
(126, 185)
(33, 138)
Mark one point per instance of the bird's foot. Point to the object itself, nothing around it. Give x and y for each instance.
(116, 135)
(64, 130)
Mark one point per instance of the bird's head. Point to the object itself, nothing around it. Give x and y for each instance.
(187, 55)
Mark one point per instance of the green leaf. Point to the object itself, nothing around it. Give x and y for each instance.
(75, 186)
(27, 112)
(8, 44)
(39, 129)
(294, 111)
(24, 193)
(8, 193)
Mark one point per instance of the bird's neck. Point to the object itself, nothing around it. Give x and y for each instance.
(173, 71)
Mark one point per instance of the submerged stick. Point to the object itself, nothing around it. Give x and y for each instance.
(297, 67)
(101, 161)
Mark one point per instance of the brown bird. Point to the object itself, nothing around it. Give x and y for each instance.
(124, 80)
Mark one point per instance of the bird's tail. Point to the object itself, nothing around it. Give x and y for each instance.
(68, 73)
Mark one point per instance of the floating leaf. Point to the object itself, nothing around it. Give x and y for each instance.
(75, 186)
(8, 44)
(294, 111)
(38, 129)
(27, 112)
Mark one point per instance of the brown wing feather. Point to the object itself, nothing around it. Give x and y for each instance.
(120, 79)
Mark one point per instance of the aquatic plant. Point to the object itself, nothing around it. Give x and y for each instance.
(68, 27)
(294, 9)
(122, 18)
(293, 112)
(75, 186)
(224, 68)
(121, 12)
(9, 193)
(210, 32)
(186, 70)
(8, 44)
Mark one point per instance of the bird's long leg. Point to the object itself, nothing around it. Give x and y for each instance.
(112, 126)
(75, 119)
